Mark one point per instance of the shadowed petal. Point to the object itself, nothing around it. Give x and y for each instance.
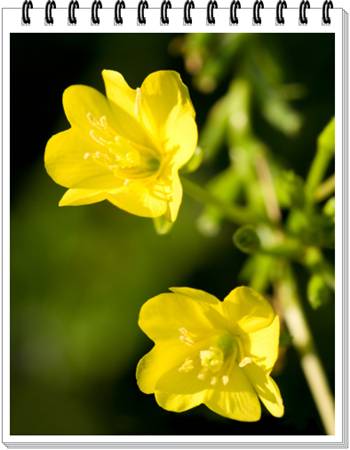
(248, 310)
(262, 345)
(137, 198)
(118, 91)
(165, 109)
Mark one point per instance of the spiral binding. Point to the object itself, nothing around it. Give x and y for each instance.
(327, 5)
(164, 19)
(212, 4)
(119, 5)
(235, 4)
(141, 18)
(189, 5)
(305, 4)
(259, 4)
(50, 5)
(281, 5)
(27, 5)
(96, 5)
(73, 5)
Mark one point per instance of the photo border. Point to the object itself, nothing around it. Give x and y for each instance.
(339, 27)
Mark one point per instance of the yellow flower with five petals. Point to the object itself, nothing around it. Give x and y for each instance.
(126, 147)
(206, 351)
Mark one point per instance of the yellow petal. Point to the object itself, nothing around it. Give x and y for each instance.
(237, 400)
(266, 388)
(165, 109)
(162, 91)
(84, 104)
(262, 345)
(155, 363)
(182, 381)
(68, 161)
(76, 197)
(179, 403)
(94, 116)
(118, 91)
(197, 294)
(180, 136)
(173, 205)
(137, 198)
(168, 316)
(247, 310)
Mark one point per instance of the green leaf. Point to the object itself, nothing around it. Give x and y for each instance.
(329, 208)
(318, 292)
(290, 189)
(326, 139)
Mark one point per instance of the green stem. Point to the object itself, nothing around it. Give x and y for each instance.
(319, 165)
(326, 189)
(293, 313)
(236, 214)
(295, 319)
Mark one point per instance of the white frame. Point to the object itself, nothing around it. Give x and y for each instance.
(11, 23)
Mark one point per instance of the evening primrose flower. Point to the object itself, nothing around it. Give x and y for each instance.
(212, 352)
(126, 147)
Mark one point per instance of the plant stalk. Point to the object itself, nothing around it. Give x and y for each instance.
(236, 214)
(293, 313)
(303, 342)
(326, 189)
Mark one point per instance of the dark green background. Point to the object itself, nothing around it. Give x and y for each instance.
(79, 275)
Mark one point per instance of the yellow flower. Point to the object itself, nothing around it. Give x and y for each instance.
(127, 147)
(212, 352)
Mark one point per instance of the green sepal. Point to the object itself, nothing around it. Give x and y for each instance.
(194, 163)
(247, 239)
(162, 225)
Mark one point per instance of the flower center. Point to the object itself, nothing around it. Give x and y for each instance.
(215, 361)
(212, 363)
(212, 359)
(126, 159)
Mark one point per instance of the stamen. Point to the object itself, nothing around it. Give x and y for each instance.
(187, 366)
(103, 122)
(90, 117)
(245, 361)
(213, 381)
(185, 336)
(99, 139)
(212, 359)
(100, 123)
(86, 155)
(225, 379)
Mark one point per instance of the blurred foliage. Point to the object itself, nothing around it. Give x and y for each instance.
(279, 216)
(80, 275)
